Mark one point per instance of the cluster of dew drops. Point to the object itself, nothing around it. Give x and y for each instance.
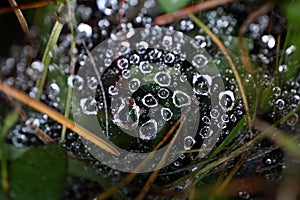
(97, 23)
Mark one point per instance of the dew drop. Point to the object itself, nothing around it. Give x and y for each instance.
(141, 47)
(122, 63)
(148, 130)
(169, 58)
(149, 101)
(92, 83)
(226, 100)
(126, 74)
(280, 104)
(200, 84)
(76, 82)
(162, 79)
(112, 90)
(166, 114)
(134, 84)
(163, 93)
(200, 61)
(188, 143)
(86, 29)
(181, 99)
(89, 106)
(214, 113)
(205, 132)
(145, 67)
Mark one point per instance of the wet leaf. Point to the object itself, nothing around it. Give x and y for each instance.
(172, 5)
(39, 174)
(13, 152)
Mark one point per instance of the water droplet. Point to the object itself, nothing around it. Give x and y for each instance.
(214, 113)
(92, 83)
(166, 114)
(277, 91)
(148, 130)
(155, 54)
(134, 59)
(163, 93)
(126, 74)
(280, 104)
(37, 65)
(206, 119)
(141, 47)
(112, 90)
(169, 58)
(127, 115)
(55, 88)
(200, 84)
(181, 99)
(134, 84)
(205, 132)
(86, 29)
(145, 67)
(76, 82)
(226, 100)
(269, 40)
(167, 41)
(200, 61)
(292, 120)
(149, 100)
(188, 143)
(122, 63)
(89, 106)
(162, 79)
(31, 125)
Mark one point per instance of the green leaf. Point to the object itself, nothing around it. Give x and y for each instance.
(172, 5)
(13, 152)
(39, 174)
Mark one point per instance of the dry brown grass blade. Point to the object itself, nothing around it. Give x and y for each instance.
(112, 190)
(254, 15)
(236, 74)
(26, 6)
(154, 174)
(58, 117)
(19, 15)
(179, 14)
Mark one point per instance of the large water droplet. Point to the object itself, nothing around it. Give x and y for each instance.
(145, 67)
(162, 79)
(89, 106)
(181, 99)
(226, 100)
(200, 84)
(127, 116)
(148, 130)
(149, 101)
(166, 114)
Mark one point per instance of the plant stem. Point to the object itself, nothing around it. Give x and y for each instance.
(19, 15)
(9, 122)
(47, 57)
(72, 67)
